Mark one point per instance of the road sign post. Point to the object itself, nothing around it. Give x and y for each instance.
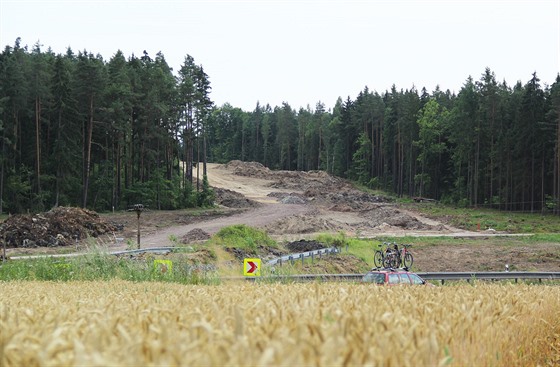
(138, 208)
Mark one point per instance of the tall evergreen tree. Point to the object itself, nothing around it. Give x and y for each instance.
(187, 99)
(120, 102)
(531, 145)
(286, 136)
(203, 108)
(89, 88)
(432, 122)
(465, 140)
(65, 149)
(40, 87)
(16, 93)
(554, 117)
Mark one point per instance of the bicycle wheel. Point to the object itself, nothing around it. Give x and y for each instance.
(378, 259)
(408, 260)
(388, 261)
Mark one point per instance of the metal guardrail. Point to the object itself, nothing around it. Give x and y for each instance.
(154, 250)
(490, 275)
(441, 276)
(302, 255)
(306, 278)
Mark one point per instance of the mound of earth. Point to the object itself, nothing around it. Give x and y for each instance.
(307, 181)
(61, 226)
(296, 180)
(304, 246)
(263, 252)
(232, 199)
(299, 224)
(387, 216)
(251, 169)
(292, 200)
(350, 198)
(344, 208)
(202, 256)
(195, 235)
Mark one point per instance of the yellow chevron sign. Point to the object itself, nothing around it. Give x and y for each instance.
(252, 267)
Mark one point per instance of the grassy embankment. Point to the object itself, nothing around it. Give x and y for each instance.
(190, 265)
(471, 219)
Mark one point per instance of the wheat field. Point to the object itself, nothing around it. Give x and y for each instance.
(119, 323)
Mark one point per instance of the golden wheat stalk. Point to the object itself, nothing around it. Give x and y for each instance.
(124, 323)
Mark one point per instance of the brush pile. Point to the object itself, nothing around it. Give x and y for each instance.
(61, 226)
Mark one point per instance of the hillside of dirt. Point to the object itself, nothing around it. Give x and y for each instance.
(334, 204)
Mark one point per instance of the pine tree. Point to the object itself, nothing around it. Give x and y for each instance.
(554, 117)
(432, 120)
(15, 88)
(89, 88)
(65, 149)
(187, 100)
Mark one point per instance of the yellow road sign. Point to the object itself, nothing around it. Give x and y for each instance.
(163, 266)
(252, 267)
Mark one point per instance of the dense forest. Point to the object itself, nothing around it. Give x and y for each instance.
(76, 129)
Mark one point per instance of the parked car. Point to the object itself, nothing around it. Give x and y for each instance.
(393, 277)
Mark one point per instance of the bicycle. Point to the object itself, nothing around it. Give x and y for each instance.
(379, 255)
(405, 256)
(392, 257)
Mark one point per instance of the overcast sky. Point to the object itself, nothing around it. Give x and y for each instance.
(305, 51)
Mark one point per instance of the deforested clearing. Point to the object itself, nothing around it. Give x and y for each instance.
(121, 323)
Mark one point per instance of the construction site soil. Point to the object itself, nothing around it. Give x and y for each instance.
(291, 206)
(60, 226)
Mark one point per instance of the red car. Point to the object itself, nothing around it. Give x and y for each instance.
(393, 277)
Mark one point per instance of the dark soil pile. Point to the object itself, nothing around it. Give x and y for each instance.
(249, 169)
(263, 252)
(395, 218)
(61, 226)
(303, 224)
(304, 246)
(241, 254)
(196, 235)
(292, 198)
(353, 199)
(232, 199)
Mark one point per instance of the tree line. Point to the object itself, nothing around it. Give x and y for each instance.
(78, 130)
(490, 144)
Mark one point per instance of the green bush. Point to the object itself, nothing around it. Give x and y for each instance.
(242, 236)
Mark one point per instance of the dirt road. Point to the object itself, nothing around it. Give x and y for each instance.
(257, 217)
(301, 204)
